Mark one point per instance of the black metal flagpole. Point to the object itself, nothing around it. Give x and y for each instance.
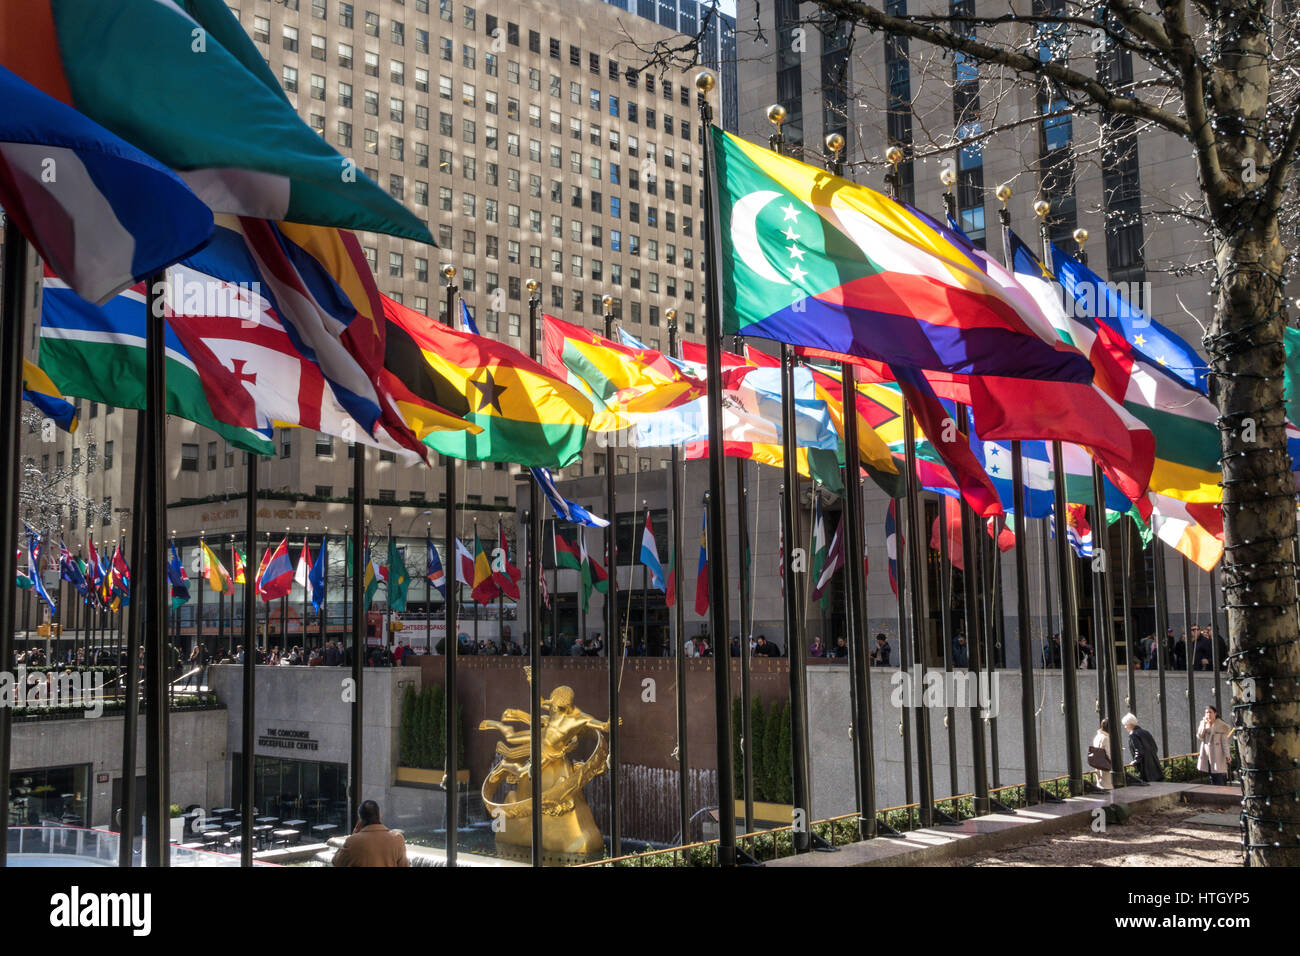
(1028, 729)
(1125, 573)
(1162, 630)
(535, 607)
(716, 547)
(679, 621)
(855, 581)
(129, 821)
(451, 611)
(11, 388)
(794, 642)
(249, 673)
(945, 623)
(1214, 638)
(1189, 655)
(613, 635)
(360, 540)
(746, 708)
(152, 576)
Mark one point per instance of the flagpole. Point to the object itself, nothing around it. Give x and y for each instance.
(130, 673)
(198, 620)
(855, 582)
(248, 673)
(388, 593)
(325, 590)
(719, 616)
(302, 626)
(945, 623)
(428, 589)
(746, 655)
(1125, 572)
(1065, 580)
(535, 616)
(679, 620)
(451, 609)
(1024, 637)
(645, 595)
(1214, 639)
(356, 780)
(1189, 655)
(794, 644)
(1162, 629)
(613, 636)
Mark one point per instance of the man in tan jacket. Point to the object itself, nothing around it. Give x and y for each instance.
(372, 843)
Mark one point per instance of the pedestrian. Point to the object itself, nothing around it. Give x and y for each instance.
(841, 647)
(880, 653)
(960, 653)
(816, 650)
(1213, 757)
(1142, 748)
(1099, 756)
(1201, 654)
(372, 843)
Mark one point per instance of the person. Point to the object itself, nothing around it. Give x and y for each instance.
(372, 843)
(1147, 649)
(960, 655)
(880, 653)
(1213, 757)
(1101, 741)
(1180, 653)
(841, 647)
(577, 649)
(1142, 748)
(1085, 653)
(763, 648)
(196, 663)
(816, 650)
(1201, 655)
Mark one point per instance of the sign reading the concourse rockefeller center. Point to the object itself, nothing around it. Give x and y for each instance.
(281, 738)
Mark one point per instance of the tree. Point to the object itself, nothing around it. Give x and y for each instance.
(1224, 79)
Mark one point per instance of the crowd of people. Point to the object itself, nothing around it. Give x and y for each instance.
(1146, 653)
(1214, 755)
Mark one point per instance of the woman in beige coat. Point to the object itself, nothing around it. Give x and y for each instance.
(1101, 741)
(1213, 757)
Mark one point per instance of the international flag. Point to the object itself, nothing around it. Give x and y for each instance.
(1077, 530)
(34, 568)
(94, 578)
(237, 562)
(952, 515)
(650, 556)
(433, 567)
(316, 577)
(464, 565)
(121, 572)
(103, 214)
(303, 571)
(399, 579)
(275, 577)
(185, 83)
(599, 574)
(621, 381)
(98, 353)
(893, 544)
(523, 412)
(484, 588)
(832, 561)
(21, 581)
(179, 579)
(585, 576)
(815, 260)
(504, 574)
(565, 509)
(818, 544)
(41, 392)
(670, 583)
(467, 322)
(566, 554)
(372, 574)
(702, 572)
(70, 570)
(210, 567)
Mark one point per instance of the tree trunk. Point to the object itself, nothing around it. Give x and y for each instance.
(1259, 516)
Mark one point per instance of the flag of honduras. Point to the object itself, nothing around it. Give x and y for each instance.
(102, 213)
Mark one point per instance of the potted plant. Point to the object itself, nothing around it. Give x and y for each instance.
(177, 824)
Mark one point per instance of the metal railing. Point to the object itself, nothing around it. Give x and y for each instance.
(82, 846)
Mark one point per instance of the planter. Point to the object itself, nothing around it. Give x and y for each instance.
(421, 777)
(773, 814)
(178, 829)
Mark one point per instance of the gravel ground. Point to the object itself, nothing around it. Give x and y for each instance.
(1162, 838)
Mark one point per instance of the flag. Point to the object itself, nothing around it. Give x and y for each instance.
(467, 322)
(1175, 525)
(211, 568)
(584, 571)
(524, 413)
(34, 568)
(952, 516)
(504, 574)
(702, 573)
(1077, 530)
(464, 565)
(103, 214)
(303, 570)
(70, 570)
(275, 576)
(237, 562)
(98, 353)
(621, 381)
(819, 545)
(41, 392)
(433, 567)
(893, 543)
(316, 577)
(184, 82)
(121, 572)
(832, 561)
(94, 578)
(484, 588)
(398, 577)
(179, 579)
(566, 554)
(599, 574)
(650, 556)
(371, 575)
(565, 509)
(815, 260)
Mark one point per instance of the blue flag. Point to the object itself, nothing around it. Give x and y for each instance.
(433, 567)
(467, 320)
(34, 567)
(650, 556)
(565, 509)
(180, 581)
(316, 577)
(69, 570)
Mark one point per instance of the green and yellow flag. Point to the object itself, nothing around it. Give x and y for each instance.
(527, 414)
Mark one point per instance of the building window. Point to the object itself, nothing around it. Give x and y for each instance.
(324, 446)
(189, 457)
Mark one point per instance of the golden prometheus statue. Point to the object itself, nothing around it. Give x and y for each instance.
(568, 828)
